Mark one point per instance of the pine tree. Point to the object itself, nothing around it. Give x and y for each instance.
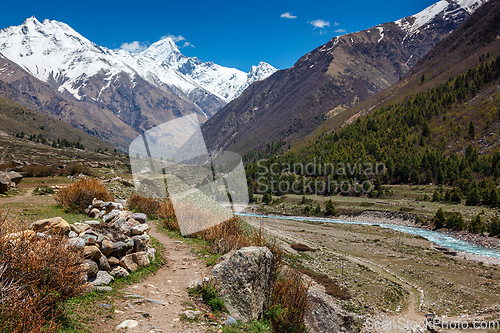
(439, 219)
(330, 208)
(472, 130)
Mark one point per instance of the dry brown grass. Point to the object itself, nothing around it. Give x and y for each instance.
(36, 276)
(79, 195)
(302, 247)
(332, 288)
(288, 302)
(156, 209)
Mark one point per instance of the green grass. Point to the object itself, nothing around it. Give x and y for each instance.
(49, 211)
(254, 326)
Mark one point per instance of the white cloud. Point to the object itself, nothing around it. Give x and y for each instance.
(186, 44)
(319, 23)
(288, 15)
(335, 24)
(341, 31)
(174, 38)
(133, 47)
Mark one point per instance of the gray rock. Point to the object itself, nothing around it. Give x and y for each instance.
(77, 242)
(96, 203)
(72, 234)
(91, 267)
(122, 225)
(139, 217)
(104, 264)
(230, 321)
(89, 239)
(119, 272)
(129, 242)
(140, 243)
(191, 314)
(101, 288)
(151, 253)
(4, 182)
(127, 324)
(102, 278)
(323, 314)
(109, 217)
(139, 229)
(244, 281)
(15, 177)
(92, 222)
(119, 249)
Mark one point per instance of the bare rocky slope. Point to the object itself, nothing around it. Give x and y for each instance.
(322, 84)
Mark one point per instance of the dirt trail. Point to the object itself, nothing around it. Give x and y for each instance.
(168, 286)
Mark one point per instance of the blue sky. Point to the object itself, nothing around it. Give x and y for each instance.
(229, 33)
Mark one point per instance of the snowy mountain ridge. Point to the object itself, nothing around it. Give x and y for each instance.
(55, 53)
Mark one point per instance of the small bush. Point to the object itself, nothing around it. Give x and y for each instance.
(74, 169)
(40, 171)
(302, 247)
(79, 195)
(36, 276)
(156, 209)
(43, 190)
(288, 303)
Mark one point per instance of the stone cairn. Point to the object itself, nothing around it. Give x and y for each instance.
(113, 247)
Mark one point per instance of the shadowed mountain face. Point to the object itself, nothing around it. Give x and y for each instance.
(292, 103)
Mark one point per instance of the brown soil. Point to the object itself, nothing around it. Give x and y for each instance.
(169, 286)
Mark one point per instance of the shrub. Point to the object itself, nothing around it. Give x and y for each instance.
(288, 303)
(40, 171)
(36, 276)
(156, 209)
(79, 195)
(77, 168)
(209, 294)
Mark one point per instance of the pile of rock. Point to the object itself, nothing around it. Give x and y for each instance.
(9, 179)
(112, 248)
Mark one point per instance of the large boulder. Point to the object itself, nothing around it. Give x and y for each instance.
(90, 267)
(244, 281)
(119, 272)
(133, 261)
(104, 264)
(4, 182)
(55, 225)
(323, 315)
(15, 177)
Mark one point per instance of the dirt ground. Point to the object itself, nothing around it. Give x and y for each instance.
(392, 275)
(168, 286)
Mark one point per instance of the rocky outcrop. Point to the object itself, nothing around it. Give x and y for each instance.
(244, 280)
(8, 180)
(323, 315)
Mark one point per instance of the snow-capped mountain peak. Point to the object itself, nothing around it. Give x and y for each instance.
(53, 52)
(412, 23)
(162, 50)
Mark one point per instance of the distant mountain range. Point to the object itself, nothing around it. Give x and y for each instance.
(117, 94)
(292, 104)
